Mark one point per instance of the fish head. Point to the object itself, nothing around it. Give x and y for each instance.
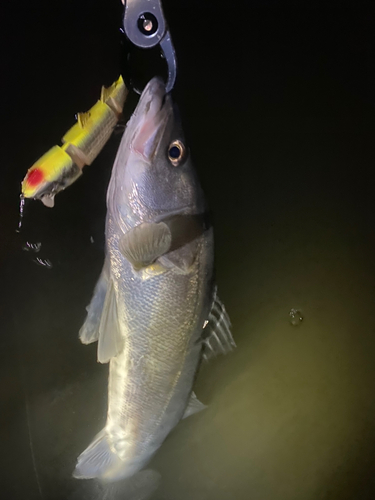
(153, 175)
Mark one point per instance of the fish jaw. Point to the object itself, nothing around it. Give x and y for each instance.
(135, 157)
(151, 117)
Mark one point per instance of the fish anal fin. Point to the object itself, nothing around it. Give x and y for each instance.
(89, 331)
(110, 339)
(194, 406)
(217, 337)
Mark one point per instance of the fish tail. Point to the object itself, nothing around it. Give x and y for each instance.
(98, 460)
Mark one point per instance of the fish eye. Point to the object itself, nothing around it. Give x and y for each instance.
(176, 153)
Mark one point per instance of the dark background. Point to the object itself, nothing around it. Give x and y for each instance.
(277, 101)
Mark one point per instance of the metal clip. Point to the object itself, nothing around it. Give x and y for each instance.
(145, 27)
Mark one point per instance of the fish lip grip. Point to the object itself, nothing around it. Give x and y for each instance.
(146, 27)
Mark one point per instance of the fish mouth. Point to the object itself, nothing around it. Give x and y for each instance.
(151, 117)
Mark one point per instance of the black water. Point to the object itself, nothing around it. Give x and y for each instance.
(278, 106)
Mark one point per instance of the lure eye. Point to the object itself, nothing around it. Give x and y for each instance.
(176, 152)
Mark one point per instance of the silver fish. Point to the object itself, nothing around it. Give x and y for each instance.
(155, 310)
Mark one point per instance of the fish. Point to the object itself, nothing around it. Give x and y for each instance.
(62, 165)
(155, 311)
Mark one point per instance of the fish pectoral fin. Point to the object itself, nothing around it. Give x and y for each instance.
(217, 337)
(174, 235)
(180, 260)
(194, 406)
(110, 339)
(89, 331)
(143, 244)
(185, 231)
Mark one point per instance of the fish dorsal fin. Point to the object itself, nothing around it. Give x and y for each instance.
(194, 406)
(83, 118)
(217, 337)
(143, 244)
(110, 339)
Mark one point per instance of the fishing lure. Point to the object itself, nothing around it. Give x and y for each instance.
(60, 166)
